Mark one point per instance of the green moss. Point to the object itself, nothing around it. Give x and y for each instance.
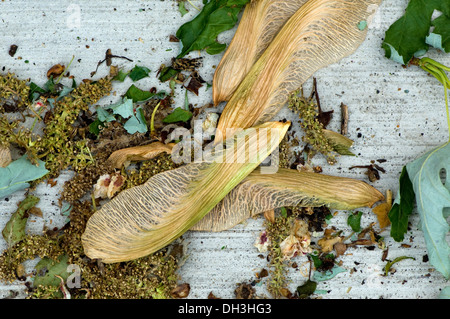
(148, 277)
(159, 164)
(13, 93)
(59, 147)
(277, 232)
(308, 112)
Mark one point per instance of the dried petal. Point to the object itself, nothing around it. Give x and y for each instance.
(108, 185)
(298, 242)
(328, 243)
(262, 242)
(382, 210)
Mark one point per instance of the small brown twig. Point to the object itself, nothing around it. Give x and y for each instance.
(344, 119)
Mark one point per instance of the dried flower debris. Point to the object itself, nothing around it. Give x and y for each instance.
(71, 136)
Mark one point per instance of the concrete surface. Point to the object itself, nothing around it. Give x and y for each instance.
(395, 113)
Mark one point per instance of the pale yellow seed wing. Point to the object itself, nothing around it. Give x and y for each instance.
(259, 24)
(320, 33)
(144, 219)
(259, 193)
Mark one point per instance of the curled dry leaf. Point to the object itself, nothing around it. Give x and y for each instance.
(269, 215)
(146, 218)
(259, 24)
(382, 210)
(327, 243)
(56, 70)
(124, 156)
(181, 291)
(259, 193)
(320, 33)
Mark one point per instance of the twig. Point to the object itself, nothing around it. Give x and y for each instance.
(316, 93)
(344, 119)
(108, 57)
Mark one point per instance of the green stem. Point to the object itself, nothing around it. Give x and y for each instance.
(432, 72)
(435, 63)
(152, 121)
(65, 71)
(437, 70)
(193, 5)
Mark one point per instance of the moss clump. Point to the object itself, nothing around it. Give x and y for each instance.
(159, 164)
(59, 147)
(13, 93)
(277, 231)
(308, 112)
(153, 276)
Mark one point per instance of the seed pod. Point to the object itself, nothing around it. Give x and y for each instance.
(320, 33)
(262, 192)
(259, 24)
(144, 219)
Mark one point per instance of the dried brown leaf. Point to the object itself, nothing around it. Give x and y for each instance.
(382, 210)
(56, 70)
(124, 156)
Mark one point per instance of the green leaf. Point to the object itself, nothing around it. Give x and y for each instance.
(442, 32)
(168, 73)
(64, 92)
(137, 95)
(316, 260)
(216, 17)
(138, 73)
(407, 36)
(445, 293)
(178, 115)
(35, 91)
(50, 85)
(182, 8)
(123, 108)
(306, 289)
(136, 123)
(329, 274)
(14, 230)
(104, 116)
(433, 203)
(354, 221)
(402, 207)
(121, 76)
(47, 270)
(18, 173)
(216, 48)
